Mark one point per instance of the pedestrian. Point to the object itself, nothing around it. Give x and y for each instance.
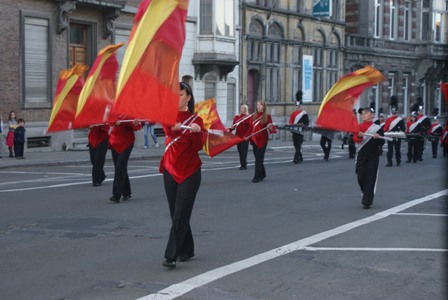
(367, 160)
(414, 136)
(121, 142)
(434, 134)
(298, 117)
(1, 136)
(394, 123)
(444, 140)
(181, 169)
(19, 139)
(98, 142)
(425, 126)
(261, 127)
(12, 124)
(242, 123)
(148, 129)
(326, 139)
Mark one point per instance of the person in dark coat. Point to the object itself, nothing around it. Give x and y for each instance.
(394, 123)
(19, 139)
(298, 117)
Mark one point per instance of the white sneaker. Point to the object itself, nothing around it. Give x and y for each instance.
(145, 147)
(157, 144)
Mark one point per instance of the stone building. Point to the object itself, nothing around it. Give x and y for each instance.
(407, 41)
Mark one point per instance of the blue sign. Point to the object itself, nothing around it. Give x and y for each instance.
(322, 8)
(307, 78)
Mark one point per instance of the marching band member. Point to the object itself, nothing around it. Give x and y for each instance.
(300, 117)
(434, 134)
(444, 140)
(243, 125)
(414, 134)
(98, 141)
(262, 126)
(326, 139)
(181, 168)
(367, 160)
(121, 142)
(394, 123)
(426, 125)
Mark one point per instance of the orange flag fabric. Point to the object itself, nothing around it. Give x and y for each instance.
(444, 89)
(218, 138)
(148, 86)
(69, 87)
(336, 110)
(98, 94)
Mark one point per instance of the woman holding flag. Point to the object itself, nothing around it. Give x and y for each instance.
(261, 127)
(243, 125)
(181, 168)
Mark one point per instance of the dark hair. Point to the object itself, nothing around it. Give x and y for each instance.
(20, 120)
(10, 113)
(187, 88)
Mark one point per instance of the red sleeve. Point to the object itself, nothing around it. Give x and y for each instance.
(273, 129)
(198, 138)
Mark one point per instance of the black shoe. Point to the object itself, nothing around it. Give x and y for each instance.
(389, 165)
(243, 168)
(113, 199)
(255, 180)
(96, 184)
(295, 161)
(170, 264)
(398, 163)
(366, 206)
(408, 161)
(126, 198)
(186, 257)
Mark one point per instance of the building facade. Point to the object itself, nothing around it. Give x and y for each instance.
(407, 41)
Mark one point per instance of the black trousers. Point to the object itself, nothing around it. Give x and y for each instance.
(260, 172)
(122, 185)
(367, 171)
(18, 149)
(391, 147)
(97, 158)
(181, 199)
(351, 150)
(297, 140)
(413, 150)
(434, 146)
(420, 146)
(325, 143)
(243, 148)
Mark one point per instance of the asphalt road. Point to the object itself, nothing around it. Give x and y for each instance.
(299, 234)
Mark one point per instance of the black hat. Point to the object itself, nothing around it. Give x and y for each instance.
(393, 104)
(299, 96)
(435, 112)
(414, 107)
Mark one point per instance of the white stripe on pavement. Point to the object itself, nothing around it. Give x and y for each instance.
(374, 249)
(179, 289)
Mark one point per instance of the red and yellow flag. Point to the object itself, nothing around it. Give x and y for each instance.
(444, 89)
(69, 87)
(336, 110)
(218, 138)
(148, 86)
(98, 94)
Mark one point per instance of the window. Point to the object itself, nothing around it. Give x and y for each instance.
(335, 10)
(254, 41)
(224, 18)
(36, 62)
(332, 67)
(440, 16)
(272, 84)
(297, 68)
(206, 17)
(273, 65)
(378, 18)
(231, 98)
(407, 22)
(393, 20)
(318, 58)
(391, 85)
(405, 91)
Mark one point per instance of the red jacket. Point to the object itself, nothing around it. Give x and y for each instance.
(261, 138)
(245, 127)
(122, 136)
(98, 134)
(181, 157)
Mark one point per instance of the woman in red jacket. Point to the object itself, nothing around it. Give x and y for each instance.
(259, 140)
(181, 168)
(98, 141)
(121, 142)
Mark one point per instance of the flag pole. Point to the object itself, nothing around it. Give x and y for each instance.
(257, 132)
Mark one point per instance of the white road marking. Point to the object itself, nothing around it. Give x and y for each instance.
(179, 289)
(374, 249)
(419, 214)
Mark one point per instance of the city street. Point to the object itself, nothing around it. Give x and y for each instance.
(300, 234)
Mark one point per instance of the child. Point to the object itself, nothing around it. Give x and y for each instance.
(12, 124)
(19, 138)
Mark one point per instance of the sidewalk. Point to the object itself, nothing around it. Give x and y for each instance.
(74, 157)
